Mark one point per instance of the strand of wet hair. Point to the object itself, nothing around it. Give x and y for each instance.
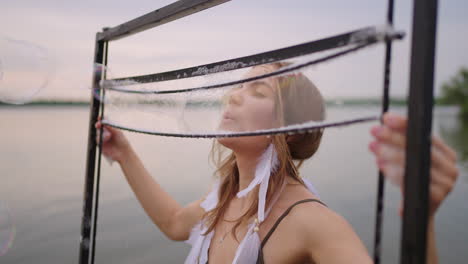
(291, 130)
(250, 79)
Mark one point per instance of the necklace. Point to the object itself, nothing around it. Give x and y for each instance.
(256, 229)
(221, 240)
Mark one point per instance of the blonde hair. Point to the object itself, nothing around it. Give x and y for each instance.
(306, 104)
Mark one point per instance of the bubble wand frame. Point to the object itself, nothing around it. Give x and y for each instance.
(413, 244)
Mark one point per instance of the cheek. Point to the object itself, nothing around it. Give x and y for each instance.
(261, 116)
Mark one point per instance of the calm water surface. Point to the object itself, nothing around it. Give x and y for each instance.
(42, 157)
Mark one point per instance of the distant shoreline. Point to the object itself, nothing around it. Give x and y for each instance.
(47, 103)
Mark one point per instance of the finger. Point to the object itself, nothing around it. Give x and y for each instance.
(446, 150)
(395, 122)
(439, 189)
(440, 181)
(112, 130)
(390, 161)
(388, 153)
(386, 135)
(436, 192)
(106, 135)
(399, 123)
(393, 173)
(443, 163)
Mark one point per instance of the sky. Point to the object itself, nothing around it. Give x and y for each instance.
(66, 29)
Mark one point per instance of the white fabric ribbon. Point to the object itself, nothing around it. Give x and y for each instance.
(267, 161)
(247, 251)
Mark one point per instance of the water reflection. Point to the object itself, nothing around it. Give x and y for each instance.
(454, 131)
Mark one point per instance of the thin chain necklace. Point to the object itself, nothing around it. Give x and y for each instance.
(221, 240)
(223, 237)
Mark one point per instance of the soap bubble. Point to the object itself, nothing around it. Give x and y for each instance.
(25, 69)
(7, 229)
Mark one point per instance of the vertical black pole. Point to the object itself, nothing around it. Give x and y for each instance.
(88, 197)
(385, 106)
(98, 167)
(418, 158)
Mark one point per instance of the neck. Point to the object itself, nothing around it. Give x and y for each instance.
(247, 164)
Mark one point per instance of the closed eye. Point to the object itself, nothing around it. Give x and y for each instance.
(259, 93)
(260, 89)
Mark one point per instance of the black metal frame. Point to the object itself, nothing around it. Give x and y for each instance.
(113, 86)
(337, 41)
(88, 225)
(174, 11)
(420, 119)
(158, 17)
(418, 147)
(385, 106)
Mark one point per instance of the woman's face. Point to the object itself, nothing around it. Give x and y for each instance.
(251, 106)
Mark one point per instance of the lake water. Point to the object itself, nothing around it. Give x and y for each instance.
(42, 157)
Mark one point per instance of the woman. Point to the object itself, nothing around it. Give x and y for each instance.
(260, 210)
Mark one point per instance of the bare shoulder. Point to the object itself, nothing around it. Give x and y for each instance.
(306, 211)
(327, 236)
(317, 219)
(311, 212)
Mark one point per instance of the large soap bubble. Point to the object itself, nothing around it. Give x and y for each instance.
(25, 68)
(261, 100)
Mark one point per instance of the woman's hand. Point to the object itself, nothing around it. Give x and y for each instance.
(115, 144)
(389, 148)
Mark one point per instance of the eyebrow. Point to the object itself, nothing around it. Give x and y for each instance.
(262, 82)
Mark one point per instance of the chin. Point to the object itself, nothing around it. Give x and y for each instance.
(242, 144)
(227, 142)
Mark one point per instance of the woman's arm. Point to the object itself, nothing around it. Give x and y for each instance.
(172, 219)
(389, 149)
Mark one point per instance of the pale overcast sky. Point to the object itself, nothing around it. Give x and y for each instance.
(236, 28)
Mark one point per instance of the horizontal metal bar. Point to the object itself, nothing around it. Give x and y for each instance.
(281, 71)
(158, 17)
(283, 130)
(353, 37)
